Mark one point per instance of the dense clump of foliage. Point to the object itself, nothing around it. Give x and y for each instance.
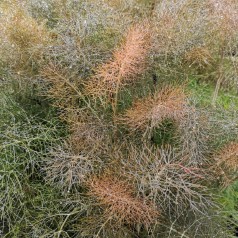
(118, 118)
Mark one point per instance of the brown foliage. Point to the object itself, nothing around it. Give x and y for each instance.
(227, 163)
(26, 37)
(120, 202)
(229, 156)
(198, 57)
(127, 62)
(151, 111)
(25, 31)
(88, 133)
(63, 88)
(226, 18)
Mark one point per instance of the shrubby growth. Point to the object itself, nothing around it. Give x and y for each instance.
(103, 133)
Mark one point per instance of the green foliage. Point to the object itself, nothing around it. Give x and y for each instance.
(229, 199)
(26, 137)
(165, 134)
(203, 91)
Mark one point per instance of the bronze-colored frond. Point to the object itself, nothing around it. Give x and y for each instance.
(169, 103)
(228, 156)
(120, 202)
(127, 62)
(198, 57)
(227, 163)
